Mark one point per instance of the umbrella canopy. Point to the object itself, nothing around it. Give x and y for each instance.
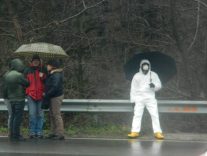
(42, 49)
(162, 64)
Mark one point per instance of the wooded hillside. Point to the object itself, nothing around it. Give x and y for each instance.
(101, 35)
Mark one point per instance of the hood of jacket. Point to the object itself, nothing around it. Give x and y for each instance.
(17, 64)
(145, 62)
(57, 70)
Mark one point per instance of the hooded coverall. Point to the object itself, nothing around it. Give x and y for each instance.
(143, 95)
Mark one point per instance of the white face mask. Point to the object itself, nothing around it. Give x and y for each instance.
(145, 67)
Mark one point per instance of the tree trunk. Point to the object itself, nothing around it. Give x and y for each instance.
(17, 26)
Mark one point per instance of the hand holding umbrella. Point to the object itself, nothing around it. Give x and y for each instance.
(152, 85)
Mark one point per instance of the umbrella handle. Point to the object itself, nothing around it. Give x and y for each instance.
(150, 77)
(41, 64)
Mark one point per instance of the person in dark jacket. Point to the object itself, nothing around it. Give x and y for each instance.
(14, 90)
(35, 74)
(54, 94)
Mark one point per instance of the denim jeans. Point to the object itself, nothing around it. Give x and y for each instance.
(17, 108)
(36, 116)
(8, 104)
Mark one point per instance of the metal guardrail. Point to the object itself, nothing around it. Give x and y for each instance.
(101, 105)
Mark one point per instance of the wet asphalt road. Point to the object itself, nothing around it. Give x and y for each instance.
(101, 147)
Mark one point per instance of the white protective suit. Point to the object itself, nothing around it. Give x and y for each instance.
(143, 95)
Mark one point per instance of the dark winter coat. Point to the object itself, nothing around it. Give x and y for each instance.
(14, 82)
(54, 84)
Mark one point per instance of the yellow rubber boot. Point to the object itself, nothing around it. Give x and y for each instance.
(133, 135)
(159, 136)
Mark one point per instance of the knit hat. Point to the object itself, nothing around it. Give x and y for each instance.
(35, 57)
(54, 63)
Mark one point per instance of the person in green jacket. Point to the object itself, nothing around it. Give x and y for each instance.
(14, 90)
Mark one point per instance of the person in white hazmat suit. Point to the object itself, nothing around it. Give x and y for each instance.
(143, 87)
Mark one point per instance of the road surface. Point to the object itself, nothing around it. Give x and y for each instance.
(102, 147)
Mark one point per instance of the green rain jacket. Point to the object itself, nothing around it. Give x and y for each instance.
(14, 82)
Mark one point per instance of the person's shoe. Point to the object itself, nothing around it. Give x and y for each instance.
(159, 136)
(50, 136)
(133, 135)
(32, 136)
(59, 137)
(19, 138)
(39, 136)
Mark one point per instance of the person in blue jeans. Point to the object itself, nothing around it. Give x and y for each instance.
(36, 118)
(36, 75)
(14, 92)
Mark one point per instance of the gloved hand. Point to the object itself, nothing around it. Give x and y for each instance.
(152, 85)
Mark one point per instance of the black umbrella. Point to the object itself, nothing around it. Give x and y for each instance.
(162, 64)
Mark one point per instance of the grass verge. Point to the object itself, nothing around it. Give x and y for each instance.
(115, 131)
